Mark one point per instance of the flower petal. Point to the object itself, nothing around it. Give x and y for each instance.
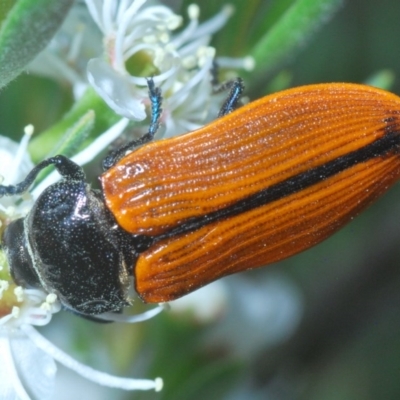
(25, 369)
(116, 90)
(11, 172)
(87, 372)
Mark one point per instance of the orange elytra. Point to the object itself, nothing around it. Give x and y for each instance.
(256, 186)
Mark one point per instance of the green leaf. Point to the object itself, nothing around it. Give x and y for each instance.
(5, 7)
(75, 136)
(25, 31)
(383, 79)
(233, 39)
(103, 117)
(71, 140)
(290, 32)
(273, 13)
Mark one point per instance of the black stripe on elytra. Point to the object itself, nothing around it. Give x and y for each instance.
(389, 142)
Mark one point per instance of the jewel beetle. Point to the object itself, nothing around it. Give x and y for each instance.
(259, 184)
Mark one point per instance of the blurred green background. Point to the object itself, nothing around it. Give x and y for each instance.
(347, 343)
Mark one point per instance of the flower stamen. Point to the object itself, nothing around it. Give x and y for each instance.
(98, 377)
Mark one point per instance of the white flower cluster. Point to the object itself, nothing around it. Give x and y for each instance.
(28, 359)
(27, 366)
(180, 63)
(139, 40)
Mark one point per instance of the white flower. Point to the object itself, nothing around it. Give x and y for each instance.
(14, 166)
(205, 305)
(21, 359)
(269, 308)
(139, 36)
(135, 40)
(130, 30)
(27, 367)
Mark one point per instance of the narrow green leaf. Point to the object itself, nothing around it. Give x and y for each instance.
(71, 140)
(5, 7)
(291, 31)
(26, 30)
(276, 9)
(279, 82)
(44, 144)
(383, 79)
(75, 136)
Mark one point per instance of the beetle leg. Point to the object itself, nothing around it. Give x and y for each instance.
(67, 169)
(214, 76)
(236, 88)
(156, 110)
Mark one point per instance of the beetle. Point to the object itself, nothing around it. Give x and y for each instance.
(259, 184)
